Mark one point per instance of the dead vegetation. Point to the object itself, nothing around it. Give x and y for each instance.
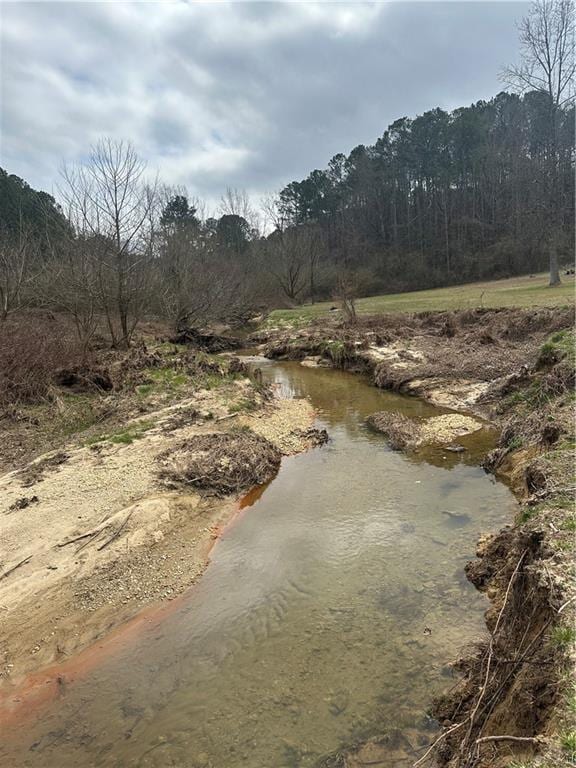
(206, 342)
(32, 351)
(221, 462)
(400, 431)
(52, 391)
(434, 344)
(404, 434)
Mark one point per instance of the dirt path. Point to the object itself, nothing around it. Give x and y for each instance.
(91, 535)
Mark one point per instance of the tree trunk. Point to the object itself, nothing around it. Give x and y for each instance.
(554, 271)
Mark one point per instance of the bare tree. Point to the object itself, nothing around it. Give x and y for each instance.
(14, 263)
(236, 202)
(345, 292)
(548, 66)
(70, 283)
(109, 204)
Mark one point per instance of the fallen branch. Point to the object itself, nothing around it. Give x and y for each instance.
(437, 741)
(566, 604)
(117, 533)
(78, 538)
(11, 570)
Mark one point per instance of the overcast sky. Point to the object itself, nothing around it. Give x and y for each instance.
(243, 94)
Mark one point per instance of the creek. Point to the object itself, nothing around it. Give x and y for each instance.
(330, 611)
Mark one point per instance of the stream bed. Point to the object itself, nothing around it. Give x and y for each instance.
(330, 611)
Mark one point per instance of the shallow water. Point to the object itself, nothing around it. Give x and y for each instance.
(329, 612)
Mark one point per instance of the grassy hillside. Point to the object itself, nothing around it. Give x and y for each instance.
(512, 292)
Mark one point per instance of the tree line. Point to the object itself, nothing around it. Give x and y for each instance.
(481, 192)
(443, 198)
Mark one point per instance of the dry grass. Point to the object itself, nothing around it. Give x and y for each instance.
(528, 291)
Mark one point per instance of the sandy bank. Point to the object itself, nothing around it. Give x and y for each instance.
(90, 535)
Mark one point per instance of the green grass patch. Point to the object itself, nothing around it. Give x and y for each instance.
(560, 346)
(512, 292)
(516, 443)
(568, 742)
(563, 636)
(167, 378)
(245, 405)
(145, 389)
(125, 436)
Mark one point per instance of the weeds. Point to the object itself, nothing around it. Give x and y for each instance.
(563, 636)
(568, 742)
(32, 351)
(125, 436)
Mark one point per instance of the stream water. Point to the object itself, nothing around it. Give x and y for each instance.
(328, 614)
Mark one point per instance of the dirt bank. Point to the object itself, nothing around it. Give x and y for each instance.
(450, 359)
(513, 701)
(93, 532)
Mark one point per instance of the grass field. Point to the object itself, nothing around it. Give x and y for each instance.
(531, 291)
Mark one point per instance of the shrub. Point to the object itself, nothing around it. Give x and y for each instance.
(32, 350)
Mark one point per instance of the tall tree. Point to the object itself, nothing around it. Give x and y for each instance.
(547, 65)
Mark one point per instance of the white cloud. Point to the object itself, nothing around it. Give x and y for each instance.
(243, 94)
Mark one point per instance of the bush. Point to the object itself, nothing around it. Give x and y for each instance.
(32, 351)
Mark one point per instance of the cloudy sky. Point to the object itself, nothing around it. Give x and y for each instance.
(243, 94)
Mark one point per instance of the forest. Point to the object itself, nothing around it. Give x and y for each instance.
(440, 199)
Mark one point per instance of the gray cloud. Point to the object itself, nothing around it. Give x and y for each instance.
(250, 95)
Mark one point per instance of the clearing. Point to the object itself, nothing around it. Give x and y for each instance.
(527, 291)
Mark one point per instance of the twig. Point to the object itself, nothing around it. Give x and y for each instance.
(566, 604)
(117, 533)
(438, 740)
(484, 739)
(228, 416)
(78, 538)
(11, 570)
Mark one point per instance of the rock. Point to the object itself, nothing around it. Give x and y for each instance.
(458, 518)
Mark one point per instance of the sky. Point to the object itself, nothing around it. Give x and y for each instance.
(250, 95)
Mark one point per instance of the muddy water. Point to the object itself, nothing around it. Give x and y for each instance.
(328, 614)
